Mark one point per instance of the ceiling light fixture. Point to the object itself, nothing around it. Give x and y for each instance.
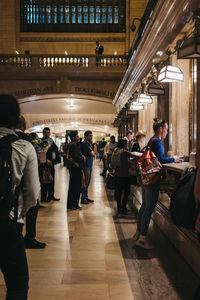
(144, 99)
(136, 106)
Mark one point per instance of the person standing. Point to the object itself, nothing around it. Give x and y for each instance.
(25, 179)
(108, 151)
(98, 51)
(129, 137)
(102, 146)
(31, 216)
(75, 171)
(53, 158)
(87, 151)
(150, 194)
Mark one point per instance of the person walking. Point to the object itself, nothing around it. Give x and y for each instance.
(75, 171)
(87, 151)
(53, 158)
(150, 194)
(22, 191)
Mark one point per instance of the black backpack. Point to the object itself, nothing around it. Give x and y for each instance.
(7, 198)
(101, 49)
(183, 206)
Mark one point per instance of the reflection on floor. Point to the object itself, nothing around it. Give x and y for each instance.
(83, 259)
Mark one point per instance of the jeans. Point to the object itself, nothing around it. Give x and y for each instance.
(88, 173)
(149, 200)
(74, 187)
(122, 192)
(47, 190)
(13, 262)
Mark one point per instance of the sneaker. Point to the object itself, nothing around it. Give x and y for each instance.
(143, 242)
(136, 236)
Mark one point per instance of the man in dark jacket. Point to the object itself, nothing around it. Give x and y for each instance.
(75, 171)
(53, 158)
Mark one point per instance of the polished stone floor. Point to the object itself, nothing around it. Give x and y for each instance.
(83, 258)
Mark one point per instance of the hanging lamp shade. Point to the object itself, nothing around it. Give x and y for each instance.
(190, 48)
(170, 74)
(155, 89)
(144, 99)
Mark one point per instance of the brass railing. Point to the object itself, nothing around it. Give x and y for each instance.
(51, 61)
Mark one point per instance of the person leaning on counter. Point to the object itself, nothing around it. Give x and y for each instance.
(150, 193)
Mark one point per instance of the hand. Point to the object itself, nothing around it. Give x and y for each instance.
(178, 159)
(92, 153)
(49, 162)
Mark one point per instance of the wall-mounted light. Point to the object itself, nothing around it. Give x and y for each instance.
(66, 53)
(17, 52)
(136, 106)
(170, 74)
(115, 53)
(190, 47)
(144, 99)
(133, 27)
(155, 88)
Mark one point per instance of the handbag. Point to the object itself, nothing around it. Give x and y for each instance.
(110, 181)
(69, 162)
(133, 167)
(150, 168)
(46, 176)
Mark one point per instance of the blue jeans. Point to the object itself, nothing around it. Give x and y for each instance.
(88, 173)
(149, 200)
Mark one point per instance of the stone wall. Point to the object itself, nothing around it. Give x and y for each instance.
(11, 39)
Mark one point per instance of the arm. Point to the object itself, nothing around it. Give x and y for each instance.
(31, 184)
(158, 149)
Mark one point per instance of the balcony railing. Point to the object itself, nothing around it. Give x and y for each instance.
(53, 61)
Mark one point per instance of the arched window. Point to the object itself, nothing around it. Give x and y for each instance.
(73, 15)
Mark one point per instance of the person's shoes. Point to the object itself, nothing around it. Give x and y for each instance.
(55, 199)
(143, 242)
(103, 174)
(136, 236)
(78, 207)
(69, 207)
(46, 200)
(84, 201)
(90, 200)
(34, 244)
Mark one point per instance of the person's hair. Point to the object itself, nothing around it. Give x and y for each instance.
(97, 42)
(22, 123)
(158, 123)
(112, 137)
(87, 133)
(129, 132)
(9, 112)
(139, 135)
(103, 139)
(73, 134)
(121, 143)
(46, 129)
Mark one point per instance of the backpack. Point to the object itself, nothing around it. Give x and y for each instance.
(116, 158)
(183, 206)
(7, 197)
(150, 168)
(101, 49)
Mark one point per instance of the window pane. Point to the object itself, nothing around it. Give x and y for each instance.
(79, 14)
(98, 16)
(67, 15)
(61, 14)
(85, 15)
(48, 13)
(116, 15)
(92, 14)
(109, 14)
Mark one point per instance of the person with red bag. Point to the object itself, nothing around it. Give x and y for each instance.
(151, 182)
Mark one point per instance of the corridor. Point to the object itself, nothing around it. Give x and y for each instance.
(83, 259)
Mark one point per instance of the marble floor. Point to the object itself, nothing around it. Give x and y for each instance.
(89, 254)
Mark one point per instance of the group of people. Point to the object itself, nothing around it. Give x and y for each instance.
(128, 150)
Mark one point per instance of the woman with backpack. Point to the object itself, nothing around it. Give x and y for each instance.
(150, 193)
(120, 162)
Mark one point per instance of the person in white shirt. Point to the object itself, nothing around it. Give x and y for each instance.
(13, 262)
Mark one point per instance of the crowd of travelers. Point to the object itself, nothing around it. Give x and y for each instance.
(27, 167)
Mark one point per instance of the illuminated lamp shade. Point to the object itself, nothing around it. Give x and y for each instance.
(144, 99)
(190, 48)
(155, 89)
(136, 106)
(170, 74)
